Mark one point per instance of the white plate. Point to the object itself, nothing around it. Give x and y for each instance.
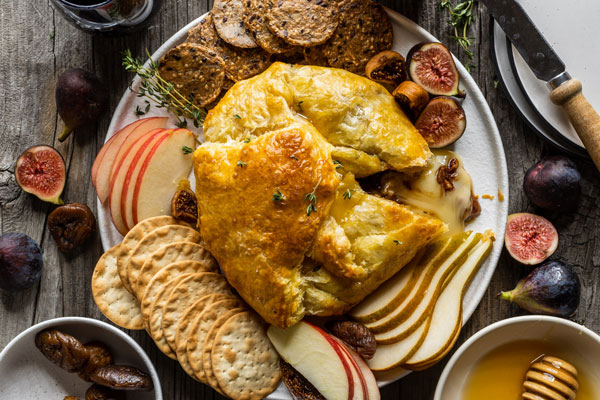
(571, 28)
(480, 147)
(502, 54)
(26, 374)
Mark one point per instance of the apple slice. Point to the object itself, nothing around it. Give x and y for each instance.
(431, 293)
(116, 185)
(360, 386)
(442, 333)
(114, 147)
(165, 166)
(132, 174)
(310, 351)
(112, 144)
(431, 275)
(369, 381)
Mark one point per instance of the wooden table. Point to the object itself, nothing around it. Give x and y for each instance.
(36, 45)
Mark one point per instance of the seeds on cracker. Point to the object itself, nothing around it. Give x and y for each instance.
(112, 298)
(242, 63)
(228, 20)
(204, 33)
(244, 361)
(293, 56)
(314, 56)
(364, 30)
(256, 20)
(195, 71)
(303, 22)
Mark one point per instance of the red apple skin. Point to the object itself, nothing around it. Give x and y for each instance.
(131, 169)
(363, 383)
(340, 354)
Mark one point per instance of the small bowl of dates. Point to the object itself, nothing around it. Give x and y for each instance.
(76, 358)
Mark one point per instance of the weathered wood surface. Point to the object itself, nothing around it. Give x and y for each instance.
(36, 44)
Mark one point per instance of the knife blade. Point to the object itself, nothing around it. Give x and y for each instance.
(547, 66)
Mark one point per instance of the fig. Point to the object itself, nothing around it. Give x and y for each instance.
(553, 288)
(298, 386)
(387, 67)
(121, 377)
(431, 66)
(553, 184)
(529, 238)
(20, 262)
(71, 225)
(41, 171)
(81, 98)
(442, 122)
(62, 349)
(99, 356)
(356, 336)
(412, 98)
(97, 392)
(184, 206)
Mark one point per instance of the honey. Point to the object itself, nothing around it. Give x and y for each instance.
(499, 374)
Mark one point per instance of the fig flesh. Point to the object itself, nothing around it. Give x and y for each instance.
(41, 171)
(71, 225)
(442, 122)
(298, 386)
(20, 262)
(97, 392)
(529, 238)
(388, 67)
(553, 288)
(432, 67)
(81, 98)
(553, 184)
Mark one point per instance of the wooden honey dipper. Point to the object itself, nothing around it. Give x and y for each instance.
(550, 378)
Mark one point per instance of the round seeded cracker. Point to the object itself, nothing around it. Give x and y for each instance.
(228, 20)
(184, 325)
(133, 237)
(256, 20)
(243, 359)
(111, 296)
(303, 22)
(204, 33)
(195, 71)
(154, 241)
(364, 31)
(170, 253)
(199, 330)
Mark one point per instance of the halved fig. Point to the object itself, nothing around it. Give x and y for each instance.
(442, 122)
(431, 65)
(298, 386)
(387, 67)
(41, 171)
(412, 97)
(529, 238)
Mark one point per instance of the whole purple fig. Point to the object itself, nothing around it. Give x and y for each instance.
(553, 184)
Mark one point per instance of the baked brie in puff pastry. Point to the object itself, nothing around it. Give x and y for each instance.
(291, 228)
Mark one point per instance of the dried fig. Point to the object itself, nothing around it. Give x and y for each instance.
(97, 392)
(431, 65)
(63, 350)
(99, 357)
(412, 97)
(299, 387)
(121, 377)
(356, 336)
(184, 206)
(442, 122)
(41, 171)
(387, 67)
(71, 225)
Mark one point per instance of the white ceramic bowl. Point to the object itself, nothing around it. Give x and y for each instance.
(26, 374)
(576, 339)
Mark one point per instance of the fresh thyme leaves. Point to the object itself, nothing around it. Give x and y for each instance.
(247, 140)
(52, 34)
(237, 116)
(278, 196)
(348, 194)
(338, 164)
(294, 157)
(461, 16)
(138, 111)
(312, 199)
(241, 164)
(496, 82)
(397, 242)
(162, 93)
(187, 150)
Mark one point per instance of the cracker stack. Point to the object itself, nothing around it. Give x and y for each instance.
(162, 279)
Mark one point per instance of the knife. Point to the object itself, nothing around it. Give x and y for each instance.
(565, 91)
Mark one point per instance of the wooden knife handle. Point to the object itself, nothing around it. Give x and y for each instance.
(584, 118)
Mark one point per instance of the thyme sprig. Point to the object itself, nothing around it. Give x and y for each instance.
(312, 199)
(278, 196)
(461, 16)
(162, 93)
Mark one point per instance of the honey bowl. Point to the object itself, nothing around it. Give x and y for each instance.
(492, 364)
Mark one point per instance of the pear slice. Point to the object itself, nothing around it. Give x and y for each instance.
(431, 294)
(389, 356)
(431, 277)
(442, 333)
(391, 294)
